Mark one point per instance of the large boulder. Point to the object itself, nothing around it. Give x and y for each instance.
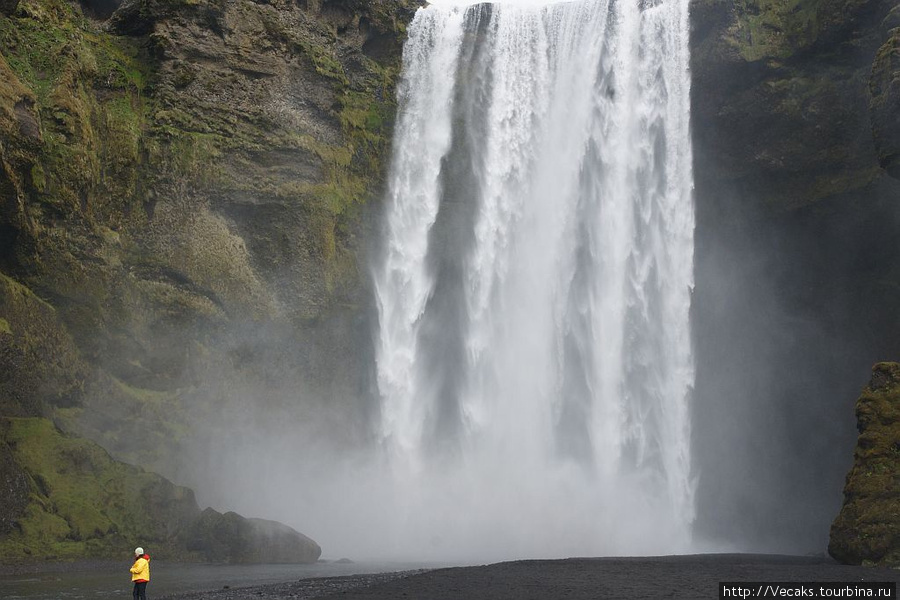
(232, 538)
(867, 530)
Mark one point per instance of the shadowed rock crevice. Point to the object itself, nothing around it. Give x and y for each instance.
(100, 9)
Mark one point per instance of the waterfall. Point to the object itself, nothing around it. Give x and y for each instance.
(533, 353)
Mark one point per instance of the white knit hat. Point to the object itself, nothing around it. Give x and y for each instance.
(138, 551)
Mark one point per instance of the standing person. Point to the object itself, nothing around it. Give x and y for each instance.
(140, 574)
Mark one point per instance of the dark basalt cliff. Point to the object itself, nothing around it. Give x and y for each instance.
(782, 94)
(183, 187)
(798, 262)
(884, 86)
(867, 530)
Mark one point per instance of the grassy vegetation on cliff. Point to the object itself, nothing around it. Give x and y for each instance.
(80, 503)
(774, 28)
(40, 362)
(125, 122)
(88, 89)
(84, 504)
(779, 29)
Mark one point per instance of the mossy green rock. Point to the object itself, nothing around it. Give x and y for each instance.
(781, 94)
(40, 365)
(65, 498)
(13, 489)
(206, 168)
(867, 530)
(80, 502)
(884, 86)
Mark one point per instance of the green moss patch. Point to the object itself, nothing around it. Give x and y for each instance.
(42, 364)
(778, 29)
(83, 503)
(88, 88)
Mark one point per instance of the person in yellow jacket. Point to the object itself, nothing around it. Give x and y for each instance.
(140, 574)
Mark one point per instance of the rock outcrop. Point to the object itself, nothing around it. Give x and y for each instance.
(867, 530)
(14, 489)
(781, 91)
(186, 171)
(41, 365)
(884, 86)
(232, 538)
(65, 497)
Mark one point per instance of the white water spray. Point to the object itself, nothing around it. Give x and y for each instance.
(534, 356)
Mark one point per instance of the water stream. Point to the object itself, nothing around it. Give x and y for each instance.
(534, 358)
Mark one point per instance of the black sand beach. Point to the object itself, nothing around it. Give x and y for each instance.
(689, 577)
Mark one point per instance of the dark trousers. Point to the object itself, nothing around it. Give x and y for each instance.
(140, 590)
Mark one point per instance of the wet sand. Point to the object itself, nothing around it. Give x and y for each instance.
(690, 577)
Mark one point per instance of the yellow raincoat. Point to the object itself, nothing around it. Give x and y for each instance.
(140, 570)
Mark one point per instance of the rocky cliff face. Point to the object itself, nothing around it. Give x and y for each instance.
(203, 162)
(884, 87)
(798, 266)
(183, 193)
(867, 530)
(782, 93)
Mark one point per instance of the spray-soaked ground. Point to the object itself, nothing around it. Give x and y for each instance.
(651, 578)
(102, 579)
(533, 357)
